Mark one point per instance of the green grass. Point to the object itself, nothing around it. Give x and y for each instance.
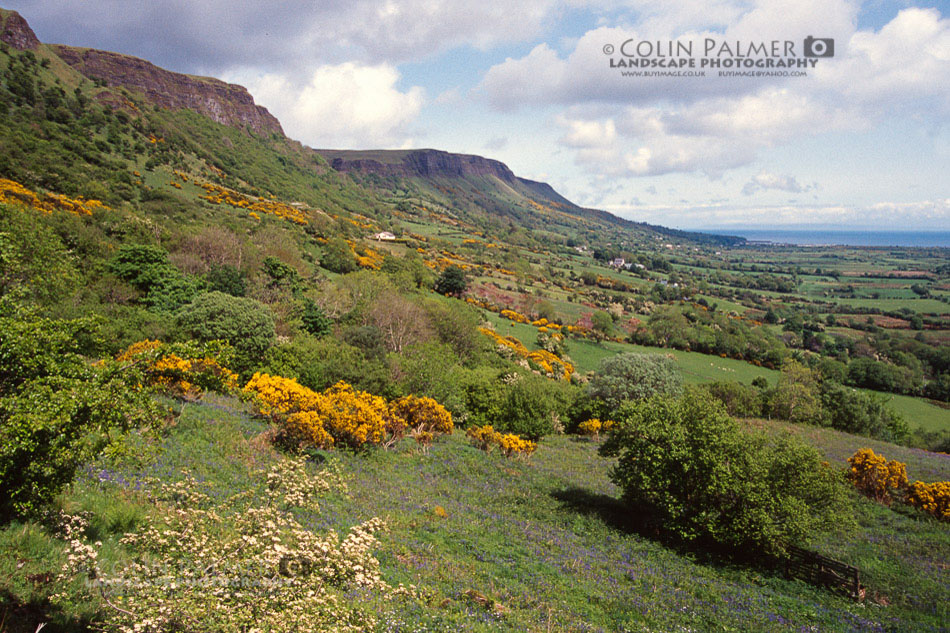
(923, 306)
(545, 538)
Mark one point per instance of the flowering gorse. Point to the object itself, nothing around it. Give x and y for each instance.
(934, 499)
(546, 362)
(183, 369)
(594, 427)
(486, 438)
(875, 476)
(344, 416)
(242, 564)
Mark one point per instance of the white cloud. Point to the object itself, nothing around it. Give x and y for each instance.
(765, 181)
(345, 105)
(214, 35)
(714, 124)
(925, 214)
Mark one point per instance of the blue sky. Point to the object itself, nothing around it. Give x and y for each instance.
(861, 141)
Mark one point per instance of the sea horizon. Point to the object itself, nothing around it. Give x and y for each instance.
(841, 237)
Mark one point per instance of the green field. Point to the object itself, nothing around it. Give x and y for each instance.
(698, 368)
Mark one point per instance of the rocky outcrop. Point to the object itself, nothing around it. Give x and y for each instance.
(225, 103)
(16, 32)
(423, 163)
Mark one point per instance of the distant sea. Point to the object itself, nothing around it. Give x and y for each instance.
(815, 237)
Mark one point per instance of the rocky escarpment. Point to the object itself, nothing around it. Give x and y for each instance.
(222, 102)
(423, 163)
(15, 31)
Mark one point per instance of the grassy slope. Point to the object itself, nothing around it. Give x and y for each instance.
(545, 538)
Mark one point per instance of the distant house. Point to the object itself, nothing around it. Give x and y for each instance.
(618, 262)
(384, 235)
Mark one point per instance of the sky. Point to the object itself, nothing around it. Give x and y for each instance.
(858, 138)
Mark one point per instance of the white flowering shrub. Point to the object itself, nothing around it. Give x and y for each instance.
(244, 563)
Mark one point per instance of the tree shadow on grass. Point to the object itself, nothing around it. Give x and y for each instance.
(611, 510)
(25, 617)
(642, 522)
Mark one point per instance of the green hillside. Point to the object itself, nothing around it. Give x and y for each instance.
(217, 345)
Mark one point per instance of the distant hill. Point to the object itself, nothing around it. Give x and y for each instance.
(474, 190)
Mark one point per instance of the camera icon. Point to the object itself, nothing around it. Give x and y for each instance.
(819, 47)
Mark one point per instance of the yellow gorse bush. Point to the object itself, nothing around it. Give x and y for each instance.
(342, 415)
(15, 193)
(875, 476)
(216, 194)
(486, 438)
(595, 427)
(552, 365)
(185, 369)
(934, 499)
(511, 315)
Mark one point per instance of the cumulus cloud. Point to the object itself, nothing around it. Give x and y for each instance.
(345, 105)
(713, 124)
(213, 35)
(765, 181)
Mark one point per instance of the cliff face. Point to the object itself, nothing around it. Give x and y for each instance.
(222, 102)
(16, 32)
(424, 163)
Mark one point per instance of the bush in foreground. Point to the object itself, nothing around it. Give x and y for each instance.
(235, 563)
(705, 479)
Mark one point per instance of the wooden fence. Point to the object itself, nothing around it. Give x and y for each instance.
(821, 570)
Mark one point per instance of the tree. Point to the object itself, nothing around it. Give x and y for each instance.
(244, 323)
(314, 320)
(338, 257)
(701, 477)
(602, 323)
(451, 282)
(633, 376)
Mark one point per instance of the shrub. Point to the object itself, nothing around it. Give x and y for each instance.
(934, 499)
(739, 400)
(227, 279)
(486, 438)
(320, 363)
(338, 257)
(633, 376)
(148, 270)
(247, 563)
(853, 411)
(183, 369)
(244, 323)
(314, 320)
(344, 416)
(875, 476)
(54, 424)
(701, 477)
(451, 282)
(424, 417)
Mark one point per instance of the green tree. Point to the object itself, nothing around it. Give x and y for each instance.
(315, 321)
(338, 257)
(244, 323)
(702, 478)
(602, 323)
(451, 282)
(633, 376)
